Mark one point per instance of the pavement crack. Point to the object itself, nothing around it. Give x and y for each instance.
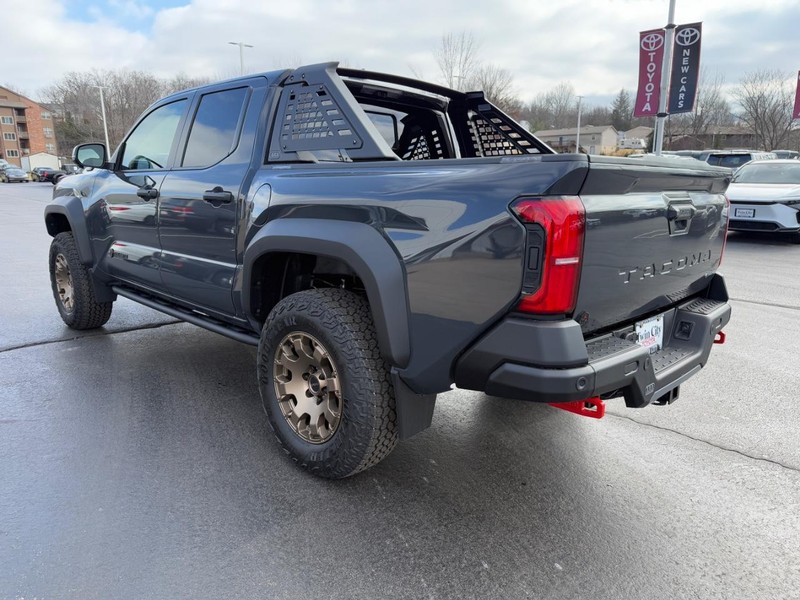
(766, 303)
(90, 335)
(712, 444)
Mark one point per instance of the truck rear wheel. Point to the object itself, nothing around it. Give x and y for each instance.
(326, 389)
(72, 286)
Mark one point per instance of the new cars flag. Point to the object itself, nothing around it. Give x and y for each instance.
(685, 68)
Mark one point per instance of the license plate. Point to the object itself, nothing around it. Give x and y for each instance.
(748, 213)
(650, 333)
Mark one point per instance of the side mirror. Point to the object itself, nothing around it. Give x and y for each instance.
(90, 155)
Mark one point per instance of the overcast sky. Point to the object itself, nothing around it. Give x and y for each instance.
(591, 43)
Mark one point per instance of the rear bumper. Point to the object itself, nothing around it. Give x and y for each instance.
(550, 361)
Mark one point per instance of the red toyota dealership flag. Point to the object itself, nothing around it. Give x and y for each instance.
(651, 58)
(796, 111)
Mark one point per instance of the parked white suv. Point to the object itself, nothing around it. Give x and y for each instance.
(765, 196)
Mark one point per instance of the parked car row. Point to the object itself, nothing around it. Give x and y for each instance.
(729, 159)
(12, 174)
(764, 192)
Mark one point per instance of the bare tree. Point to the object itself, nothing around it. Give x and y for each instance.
(75, 99)
(127, 94)
(461, 68)
(555, 109)
(457, 58)
(711, 111)
(712, 108)
(595, 115)
(765, 101)
(497, 85)
(181, 82)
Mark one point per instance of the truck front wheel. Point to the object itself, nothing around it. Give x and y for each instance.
(326, 389)
(72, 286)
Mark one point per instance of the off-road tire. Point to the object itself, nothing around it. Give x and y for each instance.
(341, 321)
(85, 312)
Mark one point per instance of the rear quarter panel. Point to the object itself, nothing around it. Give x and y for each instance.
(449, 224)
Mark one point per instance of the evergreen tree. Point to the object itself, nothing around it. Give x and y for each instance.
(622, 111)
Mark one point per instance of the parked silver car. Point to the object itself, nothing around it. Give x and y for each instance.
(15, 174)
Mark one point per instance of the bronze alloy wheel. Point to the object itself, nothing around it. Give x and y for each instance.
(64, 282)
(307, 386)
(326, 389)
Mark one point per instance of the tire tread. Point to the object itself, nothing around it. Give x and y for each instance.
(87, 313)
(369, 405)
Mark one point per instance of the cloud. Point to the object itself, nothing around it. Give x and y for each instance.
(591, 43)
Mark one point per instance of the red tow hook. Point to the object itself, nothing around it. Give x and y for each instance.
(720, 339)
(594, 408)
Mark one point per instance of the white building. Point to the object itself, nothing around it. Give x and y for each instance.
(594, 139)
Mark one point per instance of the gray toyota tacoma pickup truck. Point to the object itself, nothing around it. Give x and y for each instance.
(381, 239)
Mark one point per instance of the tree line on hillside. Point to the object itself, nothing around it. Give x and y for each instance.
(763, 100)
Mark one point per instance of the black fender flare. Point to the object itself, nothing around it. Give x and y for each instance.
(72, 208)
(365, 250)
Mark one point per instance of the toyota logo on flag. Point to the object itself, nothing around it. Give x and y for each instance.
(652, 41)
(687, 37)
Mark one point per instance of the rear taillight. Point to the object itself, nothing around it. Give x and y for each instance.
(563, 219)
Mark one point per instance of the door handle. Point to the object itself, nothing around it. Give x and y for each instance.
(218, 196)
(147, 193)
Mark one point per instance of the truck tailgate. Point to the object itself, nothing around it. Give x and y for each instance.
(655, 232)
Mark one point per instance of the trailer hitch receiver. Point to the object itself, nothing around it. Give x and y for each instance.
(594, 408)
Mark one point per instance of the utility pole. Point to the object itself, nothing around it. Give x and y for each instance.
(242, 46)
(578, 132)
(666, 72)
(103, 112)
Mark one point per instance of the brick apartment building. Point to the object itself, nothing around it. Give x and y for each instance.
(25, 127)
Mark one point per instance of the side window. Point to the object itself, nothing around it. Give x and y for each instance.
(214, 130)
(149, 144)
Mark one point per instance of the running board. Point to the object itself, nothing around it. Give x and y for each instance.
(231, 331)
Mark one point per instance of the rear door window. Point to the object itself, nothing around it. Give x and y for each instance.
(215, 129)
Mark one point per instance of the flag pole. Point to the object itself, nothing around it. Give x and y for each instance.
(658, 138)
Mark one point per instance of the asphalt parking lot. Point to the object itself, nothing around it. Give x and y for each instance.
(135, 462)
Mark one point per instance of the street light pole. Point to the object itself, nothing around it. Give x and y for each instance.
(103, 112)
(242, 46)
(578, 131)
